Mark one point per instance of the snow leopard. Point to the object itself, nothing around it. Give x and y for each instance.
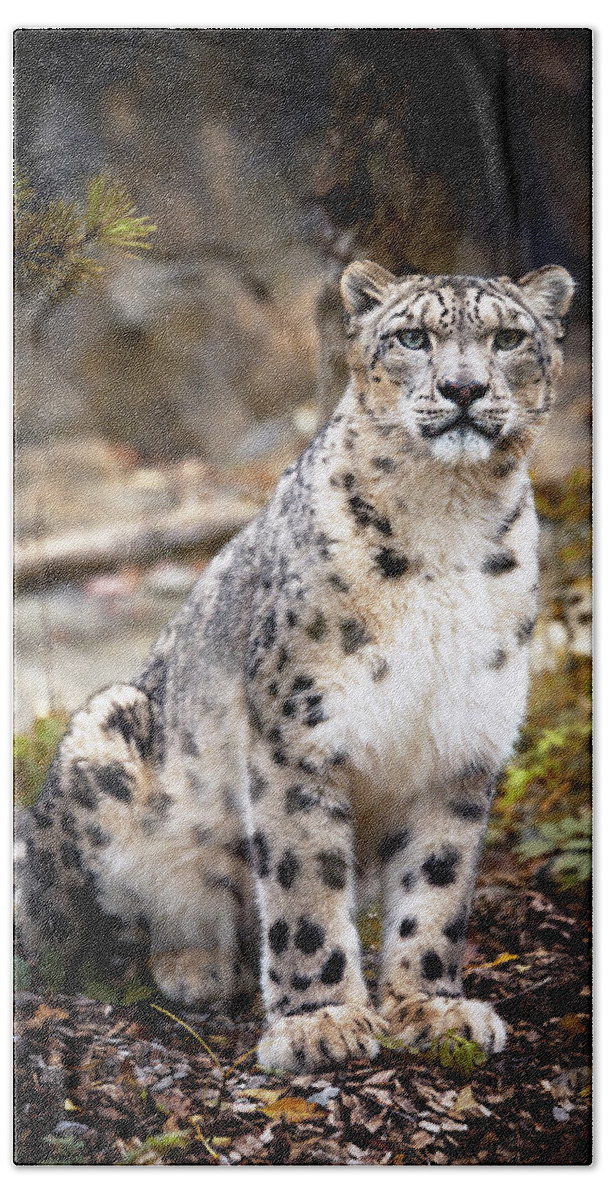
(325, 718)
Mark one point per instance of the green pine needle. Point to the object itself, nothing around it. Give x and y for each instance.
(56, 243)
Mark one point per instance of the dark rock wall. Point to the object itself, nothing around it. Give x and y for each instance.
(268, 158)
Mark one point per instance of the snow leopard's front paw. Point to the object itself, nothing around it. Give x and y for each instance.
(418, 1019)
(312, 1041)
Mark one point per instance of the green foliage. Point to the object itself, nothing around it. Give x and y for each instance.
(65, 1152)
(547, 764)
(97, 989)
(32, 754)
(51, 970)
(110, 217)
(55, 243)
(567, 845)
(370, 928)
(132, 991)
(568, 506)
(568, 502)
(156, 1148)
(137, 990)
(48, 975)
(22, 975)
(451, 1051)
(457, 1054)
(543, 805)
(388, 1042)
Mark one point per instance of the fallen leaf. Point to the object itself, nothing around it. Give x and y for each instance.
(323, 1097)
(465, 1102)
(374, 1123)
(293, 1109)
(379, 1078)
(44, 1013)
(572, 1023)
(264, 1095)
(485, 966)
(355, 1151)
(420, 1139)
(379, 1095)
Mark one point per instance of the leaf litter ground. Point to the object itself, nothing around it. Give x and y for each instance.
(103, 1084)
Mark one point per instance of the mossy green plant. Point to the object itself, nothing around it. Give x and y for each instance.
(64, 1152)
(32, 754)
(451, 1051)
(156, 1148)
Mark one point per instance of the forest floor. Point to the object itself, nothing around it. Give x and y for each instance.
(103, 1084)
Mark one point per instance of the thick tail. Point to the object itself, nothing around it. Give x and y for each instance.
(103, 769)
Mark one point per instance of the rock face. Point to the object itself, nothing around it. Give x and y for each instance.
(267, 159)
(184, 348)
(169, 356)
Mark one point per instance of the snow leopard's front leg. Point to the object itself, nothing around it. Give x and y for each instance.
(429, 869)
(316, 1001)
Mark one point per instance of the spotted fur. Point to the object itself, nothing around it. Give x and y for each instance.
(344, 684)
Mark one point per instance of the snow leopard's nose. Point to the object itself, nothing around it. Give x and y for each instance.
(462, 393)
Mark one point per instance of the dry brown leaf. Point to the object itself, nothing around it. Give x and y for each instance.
(572, 1023)
(379, 1078)
(420, 1139)
(375, 1123)
(465, 1102)
(379, 1095)
(44, 1013)
(293, 1109)
(247, 1145)
(263, 1095)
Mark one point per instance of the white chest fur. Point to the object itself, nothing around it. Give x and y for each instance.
(440, 704)
(444, 683)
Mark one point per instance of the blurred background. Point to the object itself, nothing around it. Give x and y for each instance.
(157, 403)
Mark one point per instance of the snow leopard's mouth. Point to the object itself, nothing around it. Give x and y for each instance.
(462, 423)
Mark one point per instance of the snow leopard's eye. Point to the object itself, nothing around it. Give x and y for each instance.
(413, 339)
(508, 339)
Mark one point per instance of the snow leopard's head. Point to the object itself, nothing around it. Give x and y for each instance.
(466, 365)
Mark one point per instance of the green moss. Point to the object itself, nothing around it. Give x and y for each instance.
(64, 1152)
(370, 928)
(542, 809)
(157, 1147)
(32, 754)
(451, 1051)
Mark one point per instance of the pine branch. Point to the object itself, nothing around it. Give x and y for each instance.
(110, 217)
(55, 244)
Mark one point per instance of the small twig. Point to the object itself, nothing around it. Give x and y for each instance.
(202, 1139)
(523, 992)
(239, 1061)
(196, 1035)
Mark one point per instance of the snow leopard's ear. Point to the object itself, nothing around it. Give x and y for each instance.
(364, 285)
(549, 293)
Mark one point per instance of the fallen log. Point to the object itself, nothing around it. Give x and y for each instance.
(204, 528)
